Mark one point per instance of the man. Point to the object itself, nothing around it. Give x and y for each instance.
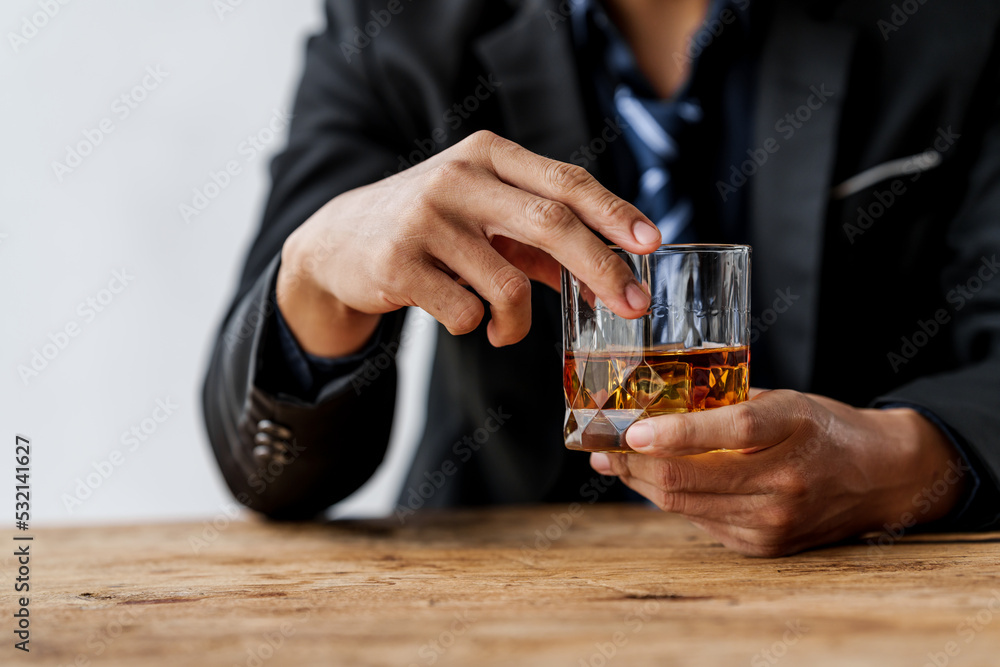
(452, 155)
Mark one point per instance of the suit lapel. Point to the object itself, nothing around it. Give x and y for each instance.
(532, 55)
(804, 58)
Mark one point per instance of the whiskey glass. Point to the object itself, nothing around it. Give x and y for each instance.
(689, 352)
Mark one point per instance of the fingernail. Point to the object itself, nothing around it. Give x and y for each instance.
(639, 436)
(645, 233)
(600, 462)
(637, 298)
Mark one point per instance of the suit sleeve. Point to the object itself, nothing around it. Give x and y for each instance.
(967, 399)
(287, 455)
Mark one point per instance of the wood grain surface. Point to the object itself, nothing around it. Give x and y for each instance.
(552, 585)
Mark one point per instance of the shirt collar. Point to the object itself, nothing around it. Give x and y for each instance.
(740, 8)
(594, 32)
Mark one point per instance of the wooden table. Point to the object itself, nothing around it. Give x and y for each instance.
(605, 585)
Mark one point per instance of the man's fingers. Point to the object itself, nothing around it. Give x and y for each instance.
(459, 310)
(669, 491)
(537, 264)
(503, 285)
(719, 472)
(706, 505)
(554, 228)
(753, 524)
(768, 419)
(746, 541)
(601, 210)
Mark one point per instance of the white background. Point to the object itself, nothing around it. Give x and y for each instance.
(118, 209)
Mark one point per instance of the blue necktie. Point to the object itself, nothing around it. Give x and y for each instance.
(649, 129)
(654, 129)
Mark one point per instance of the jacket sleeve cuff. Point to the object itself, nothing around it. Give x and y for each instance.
(286, 369)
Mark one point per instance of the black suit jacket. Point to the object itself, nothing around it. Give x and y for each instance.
(874, 222)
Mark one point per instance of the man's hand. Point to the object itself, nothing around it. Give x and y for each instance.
(807, 470)
(486, 213)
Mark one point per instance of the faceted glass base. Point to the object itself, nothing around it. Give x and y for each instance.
(617, 389)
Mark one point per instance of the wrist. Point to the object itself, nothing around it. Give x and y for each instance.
(926, 465)
(323, 325)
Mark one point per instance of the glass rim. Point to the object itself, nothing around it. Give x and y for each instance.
(690, 247)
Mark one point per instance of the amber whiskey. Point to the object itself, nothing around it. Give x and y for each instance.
(607, 391)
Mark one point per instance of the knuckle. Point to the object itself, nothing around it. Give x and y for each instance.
(483, 139)
(448, 174)
(424, 205)
(483, 145)
(620, 465)
(612, 206)
(793, 484)
(747, 423)
(391, 254)
(675, 431)
(670, 502)
(385, 295)
(466, 317)
(550, 217)
(566, 177)
(511, 286)
(801, 406)
(403, 281)
(606, 264)
(671, 477)
(780, 519)
(807, 413)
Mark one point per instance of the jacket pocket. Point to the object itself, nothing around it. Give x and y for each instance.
(906, 166)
